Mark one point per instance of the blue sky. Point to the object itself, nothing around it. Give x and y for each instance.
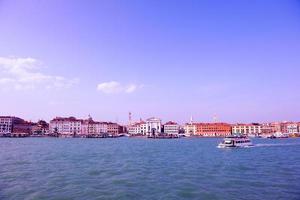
(239, 60)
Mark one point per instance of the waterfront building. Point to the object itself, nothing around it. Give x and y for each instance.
(289, 127)
(22, 129)
(154, 126)
(171, 128)
(89, 127)
(114, 129)
(40, 128)
(66, 127)
(70, 127)
(102, 126)
(292, 128)
(276, 126)
(137, 128)
(181, 131)
(134, 129)
(266, 129)
(270, 128)
(93, 128)
(284, 126)
(7, 124)
(143, 127)
(122, 129)
(213, 129)
(189, 129)
(246, 129)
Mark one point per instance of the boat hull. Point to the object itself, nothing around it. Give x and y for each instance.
(235, 146)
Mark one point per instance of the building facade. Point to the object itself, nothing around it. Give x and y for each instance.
(134, 129)
(246, 129)
(143, 128)
(67, 127)
(213, 129)
(8, 124)
(137, 129)
(40, 128)
(292, 128)
(78, 127)
(189, 129)
(268, 129)
(90, 127)
(114, 129)
(153, 126)
(171, 128)
(22, 129)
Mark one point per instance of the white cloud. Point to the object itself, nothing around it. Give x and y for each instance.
(114, 87)
(25, 73)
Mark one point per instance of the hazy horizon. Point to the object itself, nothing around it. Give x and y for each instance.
(238, 60)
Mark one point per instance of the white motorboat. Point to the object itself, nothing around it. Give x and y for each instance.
(235, 141)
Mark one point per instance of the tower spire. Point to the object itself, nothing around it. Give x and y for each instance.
(129, 118)
(215, 118)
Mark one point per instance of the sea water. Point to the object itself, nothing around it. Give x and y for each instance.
(137, 168)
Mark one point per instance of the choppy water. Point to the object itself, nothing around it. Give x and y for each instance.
(134, 168)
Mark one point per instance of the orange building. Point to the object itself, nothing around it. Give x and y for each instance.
(114, 129)
(213, 129)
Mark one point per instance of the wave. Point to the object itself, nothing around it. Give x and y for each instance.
(275, 145)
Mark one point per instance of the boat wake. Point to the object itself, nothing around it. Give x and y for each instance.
(275, 145)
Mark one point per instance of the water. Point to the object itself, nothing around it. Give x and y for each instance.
(135, 168)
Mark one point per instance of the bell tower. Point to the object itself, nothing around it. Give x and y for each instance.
(130, 118)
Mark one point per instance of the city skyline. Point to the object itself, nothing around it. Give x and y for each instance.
(131, 120)
(236, 60)
(151, 128)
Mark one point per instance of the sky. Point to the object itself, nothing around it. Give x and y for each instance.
(173, 59)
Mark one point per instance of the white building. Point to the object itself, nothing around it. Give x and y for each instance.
(7, 124)
(143, 128)
(190, 129)
(65, 126)
(102, 127)
(138, 128)
(171, 128)
(91, 127)
(134, 129)
(153, 126)
(292, 128)
(247, 129)
(77, 127)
